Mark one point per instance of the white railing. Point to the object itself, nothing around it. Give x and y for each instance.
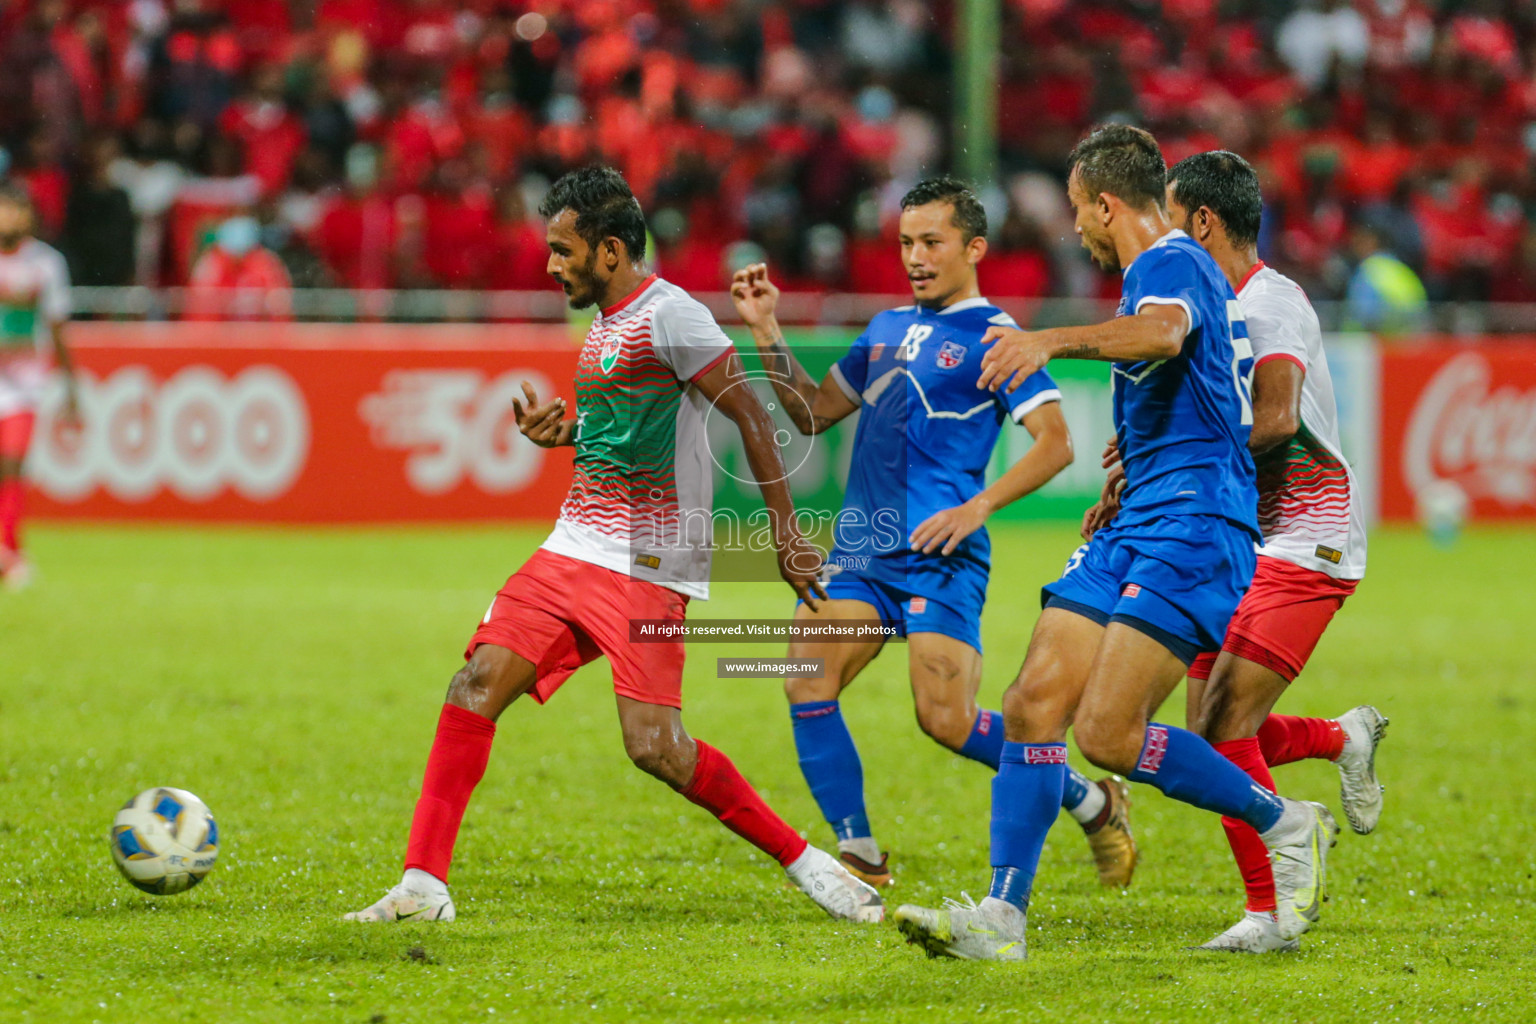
(797, 308)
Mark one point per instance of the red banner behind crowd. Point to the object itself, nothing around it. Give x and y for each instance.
(1464, 414)
(305, 423)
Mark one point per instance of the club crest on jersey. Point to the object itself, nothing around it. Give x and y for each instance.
(608, 356)
(949, 355)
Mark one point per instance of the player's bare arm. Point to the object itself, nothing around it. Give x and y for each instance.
(1049, 455)
(545, 425)
(799, 561)
(66, 365)
(811, 407)
(1276, 404)
(1156, 332)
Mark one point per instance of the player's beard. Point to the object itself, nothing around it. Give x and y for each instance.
(11, 239)
(1102, 251)
(583, 292)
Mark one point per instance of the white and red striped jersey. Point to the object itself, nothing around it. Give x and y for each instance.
(1310, 507)
(641, 492)
(34, 296)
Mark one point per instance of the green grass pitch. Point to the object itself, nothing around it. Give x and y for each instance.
(292, 679)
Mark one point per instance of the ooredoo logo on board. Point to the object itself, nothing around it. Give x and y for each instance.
(197, 433)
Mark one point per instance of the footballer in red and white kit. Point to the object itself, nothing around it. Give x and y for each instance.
(1312, 519)
(632, 543)
(34, 308)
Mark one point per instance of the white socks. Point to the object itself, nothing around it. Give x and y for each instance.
(1002, 912)
(863, 847)
(1294, 820)
(417, 880)
(801, 868)
(1089, 809)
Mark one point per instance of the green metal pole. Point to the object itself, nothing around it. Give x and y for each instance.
(976, 70)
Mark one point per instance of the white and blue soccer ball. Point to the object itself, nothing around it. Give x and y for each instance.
(1443, 508)
(165, 841)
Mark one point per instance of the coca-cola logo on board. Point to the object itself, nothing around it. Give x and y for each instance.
(1481, 437)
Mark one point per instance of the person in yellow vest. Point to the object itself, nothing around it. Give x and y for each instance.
(1384, 295)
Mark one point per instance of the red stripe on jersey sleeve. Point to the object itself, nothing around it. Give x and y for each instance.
(1281, 355)
(712, 364)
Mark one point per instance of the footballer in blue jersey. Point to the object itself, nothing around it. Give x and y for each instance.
(924, 438)
(1151, 590)
(910, 548)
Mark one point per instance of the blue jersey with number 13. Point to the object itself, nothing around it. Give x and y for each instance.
(1183, 423)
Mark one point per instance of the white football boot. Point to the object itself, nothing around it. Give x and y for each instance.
(1298, 855)
(991, 930)
(418, 897)
(17, 574)
(1257, 932)
(1359, 792)
(820, 876)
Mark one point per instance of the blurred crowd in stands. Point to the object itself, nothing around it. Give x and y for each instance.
(402, 143)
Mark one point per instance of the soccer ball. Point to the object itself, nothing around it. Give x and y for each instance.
(165, 841)
(1442, 508)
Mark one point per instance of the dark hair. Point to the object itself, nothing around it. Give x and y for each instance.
(1227, 185)
(15, 195)
(604, 207)
(1123, 161)
(969, 216)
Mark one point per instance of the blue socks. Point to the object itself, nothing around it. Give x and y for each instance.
(985, 743)
(830, 763)
(1075, 789)
(1187, 768)
(1026, 797)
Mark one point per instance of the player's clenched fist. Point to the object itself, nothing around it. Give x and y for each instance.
(754, 295)
(1013, 354)
(545, 425)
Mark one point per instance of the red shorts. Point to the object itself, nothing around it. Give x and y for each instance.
(1281, 618)
(16, 434)
(561, 613)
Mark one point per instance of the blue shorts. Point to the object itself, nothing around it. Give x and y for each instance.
(909, 612)
(1177, 579)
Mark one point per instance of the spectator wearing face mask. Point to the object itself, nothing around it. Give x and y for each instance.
(238, 278)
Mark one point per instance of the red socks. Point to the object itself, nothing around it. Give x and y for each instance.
(457, 764)
(1281, 740)
(1249, 850)
(454, 768)
(1287, 738)
(11, 490)
(719, 788)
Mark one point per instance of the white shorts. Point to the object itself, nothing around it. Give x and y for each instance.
(22, 378)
